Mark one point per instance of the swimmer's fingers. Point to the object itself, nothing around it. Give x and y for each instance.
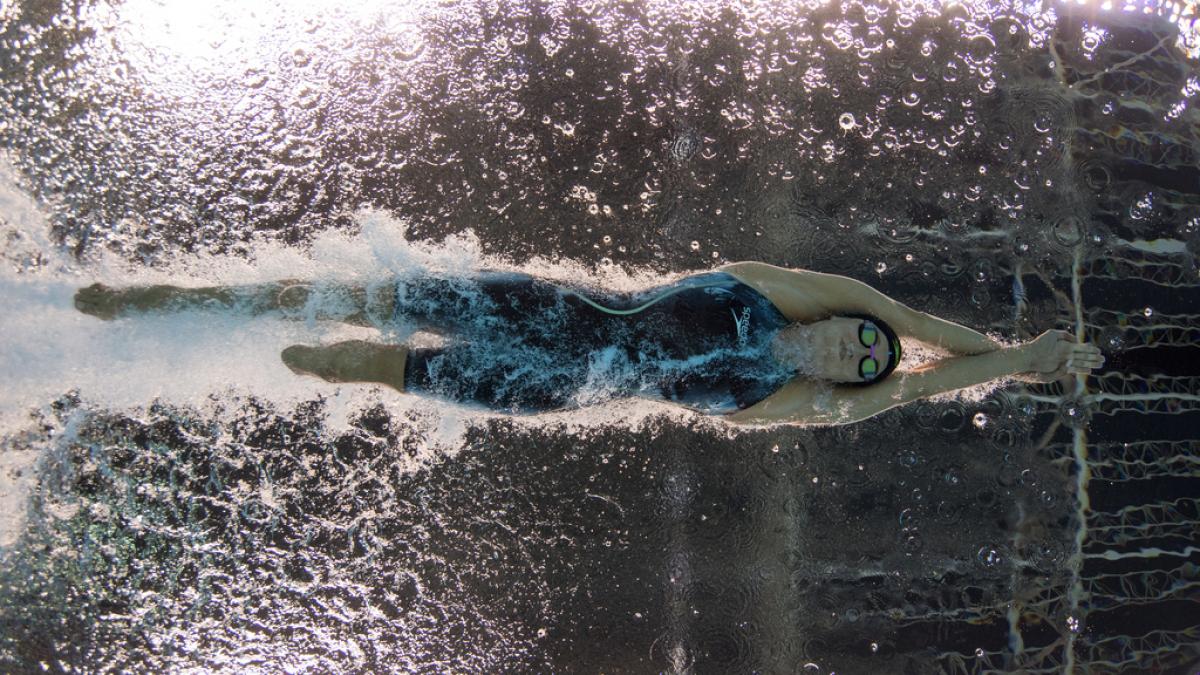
(1083, 359)
(1088, 356)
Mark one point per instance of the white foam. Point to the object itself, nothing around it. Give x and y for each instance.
(48, 348)
(199, 359)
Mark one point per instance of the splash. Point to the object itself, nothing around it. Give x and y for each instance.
(185, 358)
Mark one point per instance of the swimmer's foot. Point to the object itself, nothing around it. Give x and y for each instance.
(351, 361)
(109, 303)
(98, 300)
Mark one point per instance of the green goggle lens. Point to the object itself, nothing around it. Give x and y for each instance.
(868, 334)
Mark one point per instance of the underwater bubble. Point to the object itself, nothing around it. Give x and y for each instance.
(727, 649)
(859, 477)
(1074, 413)
(880, 267)
(1047, 553)
(980, 420)
(1148, 312)
(685, 144)
(952, 418)
(847, 121)
(1067, 231)
(988, 557)
(980, 298)
(1004, 437)
(1008, 475)
(900, 234)
(1075, 622)
(950, 475)
(1023, 179)
(926, 414)
(911, 542)
(1142, 208)
(1098, 238)
(948, 512)
(1096, 176)
(982, 271)
(695, 246)
(1114, 338)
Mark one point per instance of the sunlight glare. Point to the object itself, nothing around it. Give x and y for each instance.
(172, 38)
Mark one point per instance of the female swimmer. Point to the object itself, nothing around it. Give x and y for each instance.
(755, 343)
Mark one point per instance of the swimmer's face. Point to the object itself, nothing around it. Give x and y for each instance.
(832, 349)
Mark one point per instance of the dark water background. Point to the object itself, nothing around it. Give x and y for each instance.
(938, 154)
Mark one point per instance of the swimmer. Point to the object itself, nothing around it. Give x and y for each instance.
(755, 343)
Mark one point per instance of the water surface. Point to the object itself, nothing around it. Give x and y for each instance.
(175, 500)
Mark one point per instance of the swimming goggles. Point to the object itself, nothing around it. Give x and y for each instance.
(868, 335)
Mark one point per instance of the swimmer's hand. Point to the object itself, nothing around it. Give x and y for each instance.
(1054, 355)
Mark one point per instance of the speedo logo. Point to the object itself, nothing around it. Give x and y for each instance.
(743, 325)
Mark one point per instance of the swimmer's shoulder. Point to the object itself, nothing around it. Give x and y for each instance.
(801, 295)
(806, 401)
(804, 295)
(801, 400)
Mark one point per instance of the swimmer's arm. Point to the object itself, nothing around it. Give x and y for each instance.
(803, 402)
(803, 295)
(946, 335)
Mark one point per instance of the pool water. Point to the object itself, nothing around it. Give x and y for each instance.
(175, 500)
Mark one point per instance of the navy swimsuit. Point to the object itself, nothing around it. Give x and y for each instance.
(524, 345)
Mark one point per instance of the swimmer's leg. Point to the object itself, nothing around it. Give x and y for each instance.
(529, 381)
(351, 361)
(479, 305)
(355, 304)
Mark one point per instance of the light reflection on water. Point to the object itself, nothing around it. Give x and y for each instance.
(969, 159)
